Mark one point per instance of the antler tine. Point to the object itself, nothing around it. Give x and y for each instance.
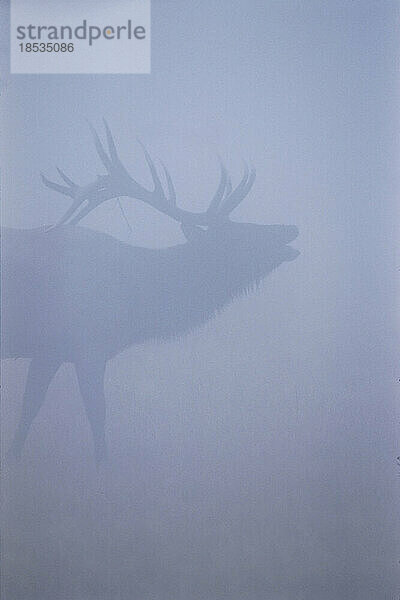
(228, 188)
(156, 180)
(105, 159)
(66, 178)
(111, 144)
(171, 187)
(239, 193)
(219, 194)
(62, 189)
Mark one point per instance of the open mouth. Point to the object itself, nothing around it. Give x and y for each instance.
(292, 233)
(291, 253)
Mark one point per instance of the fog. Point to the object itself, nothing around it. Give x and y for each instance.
(254, 456)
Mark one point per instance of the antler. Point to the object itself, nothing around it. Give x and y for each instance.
(226, 200)
(118, 183)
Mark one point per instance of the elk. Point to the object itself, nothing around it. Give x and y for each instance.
(72, 294)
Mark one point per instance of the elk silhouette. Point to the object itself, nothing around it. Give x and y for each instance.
(72, 294)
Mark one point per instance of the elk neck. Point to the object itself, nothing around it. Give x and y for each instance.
(186, 285)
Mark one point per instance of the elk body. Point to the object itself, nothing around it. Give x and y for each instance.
(72, 294)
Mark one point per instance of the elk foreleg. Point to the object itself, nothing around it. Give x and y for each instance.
(91, 384)
(41, 372)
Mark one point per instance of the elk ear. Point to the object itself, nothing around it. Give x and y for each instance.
(192, 233)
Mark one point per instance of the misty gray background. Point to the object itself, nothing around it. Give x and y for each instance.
(255, 458)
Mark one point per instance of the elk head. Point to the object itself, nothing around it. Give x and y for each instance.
(210, 228)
